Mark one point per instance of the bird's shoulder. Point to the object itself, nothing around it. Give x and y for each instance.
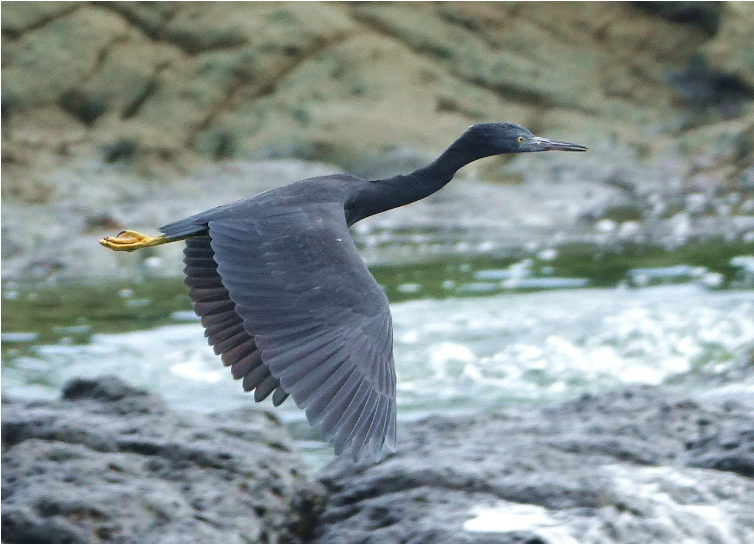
(320, 188)
(334, 189)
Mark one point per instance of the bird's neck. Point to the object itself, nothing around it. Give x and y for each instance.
(389, 193)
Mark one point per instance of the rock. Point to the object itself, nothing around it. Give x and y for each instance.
(47, 62)
(321, 107)
(18, 18)
(93, 201)
(622, 467)
(729, 448)
(340, 81)
(106, 389)
(732, 49)
(110, 463)
(113, 110)
(705, 15)
(705, 88)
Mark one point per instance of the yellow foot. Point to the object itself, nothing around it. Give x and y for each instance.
(128, 241)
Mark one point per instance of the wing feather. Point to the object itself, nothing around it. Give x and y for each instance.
(365, 430)
(265, 388)
(243, 351)
(351, 416)
(320, 319)
(242, 367)
(279, 396)
(324, 387)
(331, 415)
(224, 327)
(361, 428)
(255, 377)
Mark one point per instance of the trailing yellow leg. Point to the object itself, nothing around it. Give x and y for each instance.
(128, 241)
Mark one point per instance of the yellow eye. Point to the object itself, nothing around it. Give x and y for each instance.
(520, 139)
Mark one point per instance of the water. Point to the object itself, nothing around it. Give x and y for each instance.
(470, 334)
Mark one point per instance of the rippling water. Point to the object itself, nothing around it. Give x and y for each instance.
(454, 354)
(467, 337)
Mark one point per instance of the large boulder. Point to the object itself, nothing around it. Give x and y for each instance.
(623, 467)
(109, 463)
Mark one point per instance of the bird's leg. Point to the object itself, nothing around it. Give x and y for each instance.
(128, 241)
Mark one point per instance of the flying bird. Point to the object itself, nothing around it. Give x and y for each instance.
(286, 301)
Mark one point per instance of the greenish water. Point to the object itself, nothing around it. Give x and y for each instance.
(71, 312)
(471, 332)
(464, 277)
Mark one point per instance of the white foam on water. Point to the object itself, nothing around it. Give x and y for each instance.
(517, 517)
(195, 370)
(530, 346)
(456, 354)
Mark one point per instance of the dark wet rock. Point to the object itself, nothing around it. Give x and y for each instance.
(705, 88)
(729, 448)
(730, 50)
(621, 467)
(110, 463)
(105, 389)
(705, 15)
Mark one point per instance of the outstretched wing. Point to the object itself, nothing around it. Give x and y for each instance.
(320, 319)
(223, 327)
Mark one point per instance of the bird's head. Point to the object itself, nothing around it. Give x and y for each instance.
(499, 138)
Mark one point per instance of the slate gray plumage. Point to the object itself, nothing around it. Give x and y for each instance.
(287, 302)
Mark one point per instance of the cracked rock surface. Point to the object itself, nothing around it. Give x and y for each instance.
(642, 465)
(109, 463)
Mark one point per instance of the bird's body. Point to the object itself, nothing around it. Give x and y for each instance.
(287, 302)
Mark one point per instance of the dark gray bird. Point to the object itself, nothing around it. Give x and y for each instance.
(289, 305)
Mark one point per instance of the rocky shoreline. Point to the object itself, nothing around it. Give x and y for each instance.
(642, 465)
(132, 115)
(109, 463)
(563, 203)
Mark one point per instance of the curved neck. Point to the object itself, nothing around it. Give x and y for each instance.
(389, 193)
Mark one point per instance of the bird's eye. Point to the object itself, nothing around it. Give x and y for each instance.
(520, 139)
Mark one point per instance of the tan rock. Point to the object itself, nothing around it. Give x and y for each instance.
(18, 17)
(732, 49)
(361, 96)
(160, 88)
(44, 64)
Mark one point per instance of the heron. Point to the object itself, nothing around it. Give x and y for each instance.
(288, 304)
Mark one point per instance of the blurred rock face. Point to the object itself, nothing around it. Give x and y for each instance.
(216, 101)
(164, 87)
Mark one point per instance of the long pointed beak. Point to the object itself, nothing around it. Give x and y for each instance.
(545, 144)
